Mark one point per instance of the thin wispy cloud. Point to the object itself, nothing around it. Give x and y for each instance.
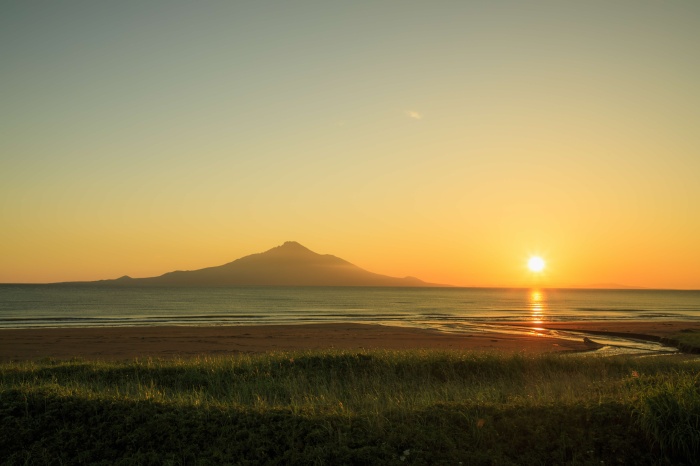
(413, 114)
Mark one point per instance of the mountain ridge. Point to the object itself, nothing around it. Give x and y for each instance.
(289, 264)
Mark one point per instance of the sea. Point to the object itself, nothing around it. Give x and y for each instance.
(453, 310)
(446, 309)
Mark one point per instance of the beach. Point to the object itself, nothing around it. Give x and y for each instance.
(222, 394)
(120, 343)
(114, 343)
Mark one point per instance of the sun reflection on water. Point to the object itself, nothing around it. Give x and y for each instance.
(538, 306)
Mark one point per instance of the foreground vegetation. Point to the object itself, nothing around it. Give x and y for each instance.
(353, 408)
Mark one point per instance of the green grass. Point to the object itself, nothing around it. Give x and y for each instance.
(688, 340)
(412, 407)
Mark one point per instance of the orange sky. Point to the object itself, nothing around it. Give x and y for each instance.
(444, 140)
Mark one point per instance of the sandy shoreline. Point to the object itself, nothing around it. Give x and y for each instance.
(117, 343)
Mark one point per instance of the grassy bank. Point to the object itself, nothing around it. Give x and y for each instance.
(687, 340)
(353, 408)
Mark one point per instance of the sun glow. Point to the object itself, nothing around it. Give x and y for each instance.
(536, 264)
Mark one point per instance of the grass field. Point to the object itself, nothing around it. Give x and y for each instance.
(409, 407)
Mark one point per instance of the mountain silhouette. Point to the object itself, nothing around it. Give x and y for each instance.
(290, 264)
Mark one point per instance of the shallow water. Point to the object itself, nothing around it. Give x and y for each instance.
(444, 309)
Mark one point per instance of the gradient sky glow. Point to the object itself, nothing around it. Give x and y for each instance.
(445, 140)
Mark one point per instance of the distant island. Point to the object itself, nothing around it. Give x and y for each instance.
(290, 264)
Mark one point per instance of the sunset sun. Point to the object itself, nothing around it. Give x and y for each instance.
(535, 264)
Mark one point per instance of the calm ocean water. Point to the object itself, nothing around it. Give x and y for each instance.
(447, 309)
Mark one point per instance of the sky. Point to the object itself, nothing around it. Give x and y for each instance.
(447, 140)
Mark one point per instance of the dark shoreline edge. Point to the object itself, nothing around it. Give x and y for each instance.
(671, 342)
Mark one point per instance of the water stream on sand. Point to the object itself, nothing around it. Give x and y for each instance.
(600, 344)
